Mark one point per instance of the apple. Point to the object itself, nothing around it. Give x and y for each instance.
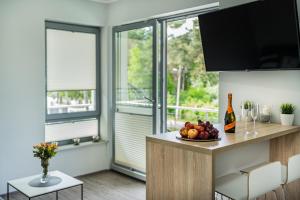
(199, 128)
(192, 133)
(190, 126)
(184, 132)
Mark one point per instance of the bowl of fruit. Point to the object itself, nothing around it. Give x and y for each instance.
(200, 132)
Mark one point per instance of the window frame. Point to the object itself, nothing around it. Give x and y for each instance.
(75, 116)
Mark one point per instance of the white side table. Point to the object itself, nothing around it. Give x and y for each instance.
(22, 185)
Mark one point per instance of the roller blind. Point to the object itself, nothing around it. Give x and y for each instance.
(71, 60)
(130, 140)
(71, 130)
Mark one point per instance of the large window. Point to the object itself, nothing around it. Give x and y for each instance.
(73, 71)
(192, 93)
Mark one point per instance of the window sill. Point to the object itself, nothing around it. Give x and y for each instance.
(81, 145)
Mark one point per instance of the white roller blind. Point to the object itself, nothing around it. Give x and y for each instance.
(71, 60)
(130, 140)
(71, 130)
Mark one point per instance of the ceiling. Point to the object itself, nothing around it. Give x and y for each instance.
(104, 1)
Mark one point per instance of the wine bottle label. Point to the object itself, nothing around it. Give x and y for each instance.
(229, 110)
(229, 126)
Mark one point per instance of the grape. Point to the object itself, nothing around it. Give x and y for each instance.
(200, 122)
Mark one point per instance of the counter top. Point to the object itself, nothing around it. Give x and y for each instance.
(228, 140)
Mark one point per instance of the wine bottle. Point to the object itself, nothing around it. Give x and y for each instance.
(230, 121)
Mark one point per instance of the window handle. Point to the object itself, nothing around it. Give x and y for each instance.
(151, 100)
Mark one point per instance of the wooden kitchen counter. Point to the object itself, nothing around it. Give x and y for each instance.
(183, 170)
(228, 140)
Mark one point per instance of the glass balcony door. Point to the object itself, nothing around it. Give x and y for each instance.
(135, 93)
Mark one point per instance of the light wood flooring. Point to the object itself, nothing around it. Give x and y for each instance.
(110, 185)
(106, 185)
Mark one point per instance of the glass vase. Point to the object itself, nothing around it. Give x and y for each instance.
(44, 164)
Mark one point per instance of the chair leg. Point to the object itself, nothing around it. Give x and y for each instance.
(285, 192)
(273, 195)
(279, 193)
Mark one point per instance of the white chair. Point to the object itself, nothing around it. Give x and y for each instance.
(291, 172)
(252, 184)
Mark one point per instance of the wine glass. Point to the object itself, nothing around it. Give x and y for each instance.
(254, 115)
(245, 110)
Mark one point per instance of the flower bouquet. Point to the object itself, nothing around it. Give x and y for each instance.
(45, 152)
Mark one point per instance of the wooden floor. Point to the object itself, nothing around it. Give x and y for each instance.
(107, 185)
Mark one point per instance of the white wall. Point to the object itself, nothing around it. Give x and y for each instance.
(132, 10)
(22, 86)
(241, 157)
(269, 87)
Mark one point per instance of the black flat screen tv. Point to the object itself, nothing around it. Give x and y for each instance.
(263, 35)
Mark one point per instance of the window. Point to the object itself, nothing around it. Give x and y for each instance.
(135, 71)
(191, 92)
(73, 72)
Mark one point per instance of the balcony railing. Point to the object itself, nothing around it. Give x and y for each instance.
(176, 118)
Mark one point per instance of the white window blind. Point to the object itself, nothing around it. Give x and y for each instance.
(130, 140)
(71, 60)
(66, 131)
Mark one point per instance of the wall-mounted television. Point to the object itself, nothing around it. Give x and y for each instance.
(262, 35)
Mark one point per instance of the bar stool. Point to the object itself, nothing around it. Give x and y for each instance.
(252, 184)
(291, 172)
